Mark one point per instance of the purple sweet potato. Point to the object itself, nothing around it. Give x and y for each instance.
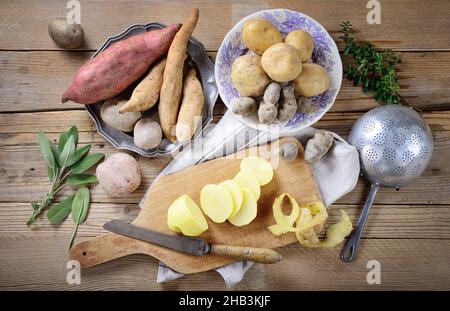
(114, 69)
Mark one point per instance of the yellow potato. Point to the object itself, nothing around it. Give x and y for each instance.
(247, 179)
(248, 77)
(248, 210)
(302, 41)
(260, 167)
(216, 202)
(186, 217)
(260, 34)
(282, 62)
(312, 81)
(236, 194)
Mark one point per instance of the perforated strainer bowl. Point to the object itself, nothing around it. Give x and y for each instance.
(395, 146)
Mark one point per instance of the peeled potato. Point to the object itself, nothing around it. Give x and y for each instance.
(186, 217)
(282, 62)
(260, 34)
(312, 81)
(248, 77)
(260, 167)
(216, 202)
(248, 179)
(302, 41)
(236, 194)
(248, 210)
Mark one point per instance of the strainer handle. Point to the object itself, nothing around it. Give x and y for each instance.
(350, 250)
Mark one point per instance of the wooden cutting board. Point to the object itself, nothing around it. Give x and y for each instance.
(294, 177)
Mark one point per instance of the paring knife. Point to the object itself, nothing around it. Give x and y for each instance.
(193, 246)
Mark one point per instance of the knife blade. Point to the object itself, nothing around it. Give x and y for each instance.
(193, 246)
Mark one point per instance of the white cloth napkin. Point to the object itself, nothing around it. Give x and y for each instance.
(336, 173)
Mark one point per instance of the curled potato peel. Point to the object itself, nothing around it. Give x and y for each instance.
(285, 221)
(309, 221)
(337, 232)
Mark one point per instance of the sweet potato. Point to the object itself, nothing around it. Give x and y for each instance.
(147, 91)
(113, 70)
(169, 99)
(191, 107)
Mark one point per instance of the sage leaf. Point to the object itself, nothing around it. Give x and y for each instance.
(80, 205)
(58, 212)
(78, 154)
(50, 172)
(73, 131)
(35, 206)
(81, 179)
(67, 152)
(63, 137)
(55, 151)
(86, 163)
(46, 151)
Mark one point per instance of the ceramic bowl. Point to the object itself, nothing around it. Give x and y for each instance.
(325, 54)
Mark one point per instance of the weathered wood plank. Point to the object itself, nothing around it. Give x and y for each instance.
(31, 81)
(21, 166)
(42, 265)
(101, 19)
(386, 221)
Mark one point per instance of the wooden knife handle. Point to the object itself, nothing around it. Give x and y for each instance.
(261, 255)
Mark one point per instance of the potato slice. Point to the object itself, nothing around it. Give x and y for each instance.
(260, 167)
(236, 194)
(216, 202)
(248, 179)
(186, 217)
(248, 210)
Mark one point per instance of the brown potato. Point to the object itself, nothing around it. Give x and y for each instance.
(248, 77)
(312, 81)
(302, 41)
(282, 62)
(65, 35)
(259, 35)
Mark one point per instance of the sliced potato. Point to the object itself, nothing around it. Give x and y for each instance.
(216, 202)
(236, 194)
(248, 179)
(260, 167)
(186, 217)
(248, 210)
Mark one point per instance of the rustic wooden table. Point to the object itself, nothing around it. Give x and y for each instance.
(408, 231)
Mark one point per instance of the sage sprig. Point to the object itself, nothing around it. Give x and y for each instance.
(66, 165)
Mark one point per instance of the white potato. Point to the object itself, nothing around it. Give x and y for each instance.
(122, 121)
(147, 133)
(119, 174)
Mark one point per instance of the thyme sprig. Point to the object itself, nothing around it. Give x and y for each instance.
(375, 71)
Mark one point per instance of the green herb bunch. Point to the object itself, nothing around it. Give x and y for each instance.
(66, 165)
(375, 71)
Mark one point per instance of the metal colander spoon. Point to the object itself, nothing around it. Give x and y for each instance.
(395, 146)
